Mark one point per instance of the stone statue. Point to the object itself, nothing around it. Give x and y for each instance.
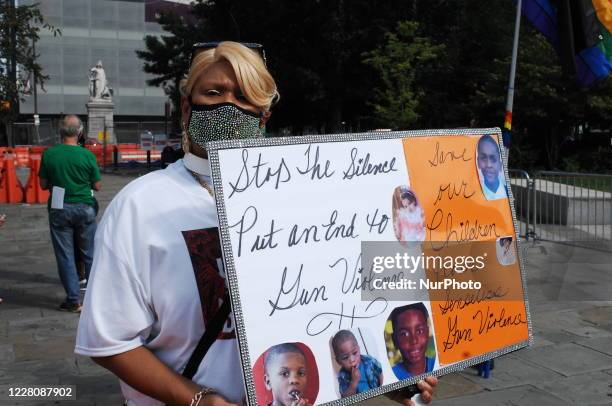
(98, 85)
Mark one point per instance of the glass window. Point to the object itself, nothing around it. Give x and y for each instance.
(75, 47)
(50, 103)
(104, 42)
(75, 104)
(127, 53)
(130, 66)
(104, 15)
(131, 11)
(77, 68)
(130, 16)
(102, 24)
(48, 8)
(76, 13)
(129, 105)
(104, 10)
(76, 8)
(71, 22)
(54, 21)
(71, 80)
(154, 106)
(50, 60)
(153, 28)
(55, 78)
(103, 54)
(131, 82)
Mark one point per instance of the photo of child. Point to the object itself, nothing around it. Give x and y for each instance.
(358, 372)
(409, 341)
(490, 170)
(505, 250)
(408, 216)
(286, 375)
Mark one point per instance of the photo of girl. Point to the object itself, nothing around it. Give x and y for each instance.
(408, 216)
(286, 375)
(358, 372)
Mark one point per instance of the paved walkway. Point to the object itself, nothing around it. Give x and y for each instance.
(570, 298)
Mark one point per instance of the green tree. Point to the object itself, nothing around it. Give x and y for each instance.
(474, 33)
(314, 51)
(467, 84)
(167, 56)
(400, 63)
(449, 69)
(548, 105)
(19, 28)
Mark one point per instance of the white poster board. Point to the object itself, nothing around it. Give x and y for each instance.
(293, 214)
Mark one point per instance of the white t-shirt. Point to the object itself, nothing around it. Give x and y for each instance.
(157, 276)
(500, 193)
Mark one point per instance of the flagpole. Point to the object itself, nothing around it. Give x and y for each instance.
(510, 95)
(36, 116)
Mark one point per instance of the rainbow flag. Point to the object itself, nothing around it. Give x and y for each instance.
(580, 31)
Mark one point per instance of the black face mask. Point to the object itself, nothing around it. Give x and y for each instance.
(223, 121)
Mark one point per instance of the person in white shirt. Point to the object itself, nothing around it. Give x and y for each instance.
(157, 279)
(490, 168)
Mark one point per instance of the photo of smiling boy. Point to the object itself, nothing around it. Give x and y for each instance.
(286, 375)
(411, 337)
(358, 373)
(490, 169)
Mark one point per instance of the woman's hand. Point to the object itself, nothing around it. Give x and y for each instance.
(215, 400)
(426, 387)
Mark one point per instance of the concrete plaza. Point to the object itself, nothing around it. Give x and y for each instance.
(570, 292)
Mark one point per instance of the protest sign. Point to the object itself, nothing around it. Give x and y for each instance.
(359, 263)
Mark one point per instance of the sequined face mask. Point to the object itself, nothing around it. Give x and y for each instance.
(223, 121)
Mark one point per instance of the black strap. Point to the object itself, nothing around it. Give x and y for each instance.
(208, 338)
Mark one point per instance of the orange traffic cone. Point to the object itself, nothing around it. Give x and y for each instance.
(10, 189)
(33, 192)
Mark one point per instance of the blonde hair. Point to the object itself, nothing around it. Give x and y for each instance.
(255, 82)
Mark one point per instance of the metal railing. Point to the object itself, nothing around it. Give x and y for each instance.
(26, 133)
(522, 190)
(129, 131)
(566, 207)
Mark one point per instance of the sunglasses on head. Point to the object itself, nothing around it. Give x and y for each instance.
(203, 46)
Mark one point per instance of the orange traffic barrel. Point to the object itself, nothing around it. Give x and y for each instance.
(10, 189)
(33, 192)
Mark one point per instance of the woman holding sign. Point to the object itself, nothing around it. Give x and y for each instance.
(157, 285)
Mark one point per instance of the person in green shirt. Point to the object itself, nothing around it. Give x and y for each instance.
(72, 171)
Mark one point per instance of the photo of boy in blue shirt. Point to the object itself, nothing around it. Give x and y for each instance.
(358, 373)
